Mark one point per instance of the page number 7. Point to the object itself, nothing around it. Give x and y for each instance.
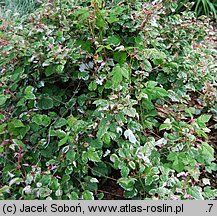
(210, 207)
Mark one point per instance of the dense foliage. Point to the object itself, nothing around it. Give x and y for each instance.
(92, 92)
(200, 7)
(13, 9)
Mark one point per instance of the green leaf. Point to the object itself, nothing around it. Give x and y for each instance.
(102, 131)
(100, 22)
(114, 158)
(114, 40)
(59, 133)
(132, 165)
(106, 139)
(96, 143)
(151, 84)
(101, 102)
(45, 180)
(178, 165)
(200, 132)
(125, 171)
(117, 10)
(45, 102)
(87, 195)
(17, 123)
(108, 47)
(2, 117)
(204, 118)
(29, 90)
(161, 92)
(172, 156)
(158, 61)
(71, 155)
(117, 76)
(148, 180)
(120, 57)
(129, 135)
(130, 194)
(3, 99)
(2, 128)
(60, 122)
(29, 93)
(171, 136)
(4, 189)
(17, 74)
(74, 196)
(127, 183)
(142, 95)
(41, 120)
(92, 86)
(131, 112)
(55, 185)
(100, 169)
(93, 155)
(111, 19)
(125, 73)
(15, 181)
(63, 141)
(147, 65)
(209, 193)
(207, 151)
(211, 167)
(59, 69)
(165, 126)
(196, 192)
(49, 71)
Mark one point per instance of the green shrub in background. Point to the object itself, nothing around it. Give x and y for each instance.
(17, 8)
(201, 7)
(93, 88)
